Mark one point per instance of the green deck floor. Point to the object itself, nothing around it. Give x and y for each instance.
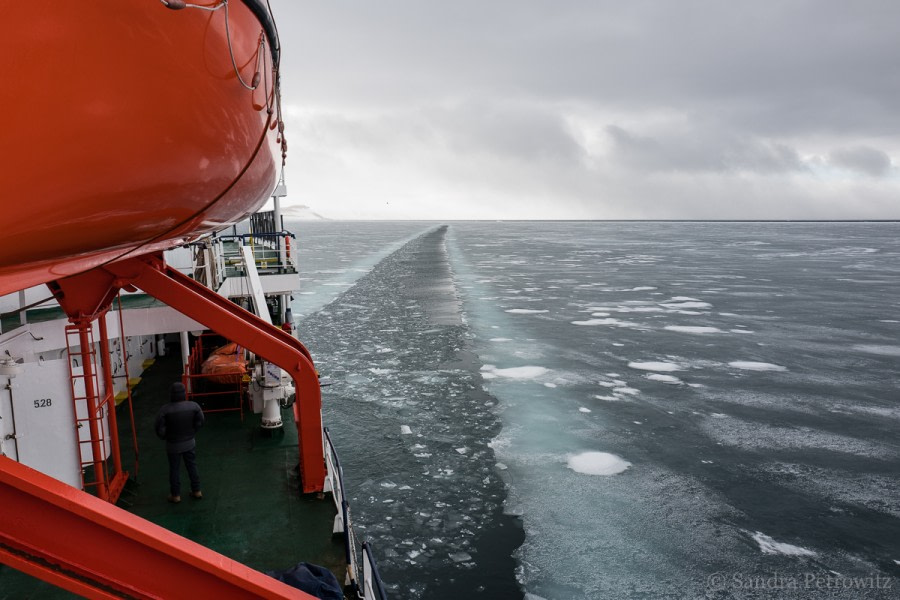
(251, 509)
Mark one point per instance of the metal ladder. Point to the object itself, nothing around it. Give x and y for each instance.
(89, 409)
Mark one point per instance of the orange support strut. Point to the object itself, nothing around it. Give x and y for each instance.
(151, 274)
(90, 547)
(90, 293)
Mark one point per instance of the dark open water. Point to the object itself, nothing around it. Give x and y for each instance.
(615, 410)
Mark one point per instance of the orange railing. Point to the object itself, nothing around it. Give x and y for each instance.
(208, 389)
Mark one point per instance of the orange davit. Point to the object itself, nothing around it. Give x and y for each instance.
(130, 126)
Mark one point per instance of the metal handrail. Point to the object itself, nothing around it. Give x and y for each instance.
(335, 476)
(244, 236)
(267, 252)
(373, 586)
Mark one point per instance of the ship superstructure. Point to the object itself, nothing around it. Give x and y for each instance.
(136, 134)
(49, 422)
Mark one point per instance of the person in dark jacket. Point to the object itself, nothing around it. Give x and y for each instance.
(177, 422)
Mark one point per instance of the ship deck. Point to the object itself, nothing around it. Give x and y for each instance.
(251, 509)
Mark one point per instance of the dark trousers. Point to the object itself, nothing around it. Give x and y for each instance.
(190, 461)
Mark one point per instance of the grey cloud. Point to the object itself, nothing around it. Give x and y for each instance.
(503, 108)
(703, 151)
(788, 66)
(862, 159)
(513, 130)
(474, 128)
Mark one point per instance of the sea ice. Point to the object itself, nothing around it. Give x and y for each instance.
(597, 463)
(527, 372)
(656, 366)
(663, 378)
(613, 322)
(460, 556)
(526, 311)
(643, 309)
(405, 430)
(690, 329)
(500, 340)
(626, 390)
(770, 546)
(683, 305)
(878, 349)
(748, 365)
(584, 410)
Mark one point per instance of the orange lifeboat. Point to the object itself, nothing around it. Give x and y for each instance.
(130, 127)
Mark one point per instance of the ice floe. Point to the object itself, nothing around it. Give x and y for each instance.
(460, 556)
(878, 349)
(597, 463)
(584, 410)
(526, 311)
(769, 546)
(638, 309)
(527, 372)
(656, 366)
(692, 329)
(626, 390)
(687, 304)
(663, 378)
(611, 322)
(749, 365)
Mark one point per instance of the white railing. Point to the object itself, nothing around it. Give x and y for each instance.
(272, 252)
(372, 587)
(335, 484)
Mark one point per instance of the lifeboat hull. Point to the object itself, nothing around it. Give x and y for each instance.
(128, 130)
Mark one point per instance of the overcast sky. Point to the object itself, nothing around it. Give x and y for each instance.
(593, 109)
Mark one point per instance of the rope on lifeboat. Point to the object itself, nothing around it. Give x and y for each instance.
(260, 62)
